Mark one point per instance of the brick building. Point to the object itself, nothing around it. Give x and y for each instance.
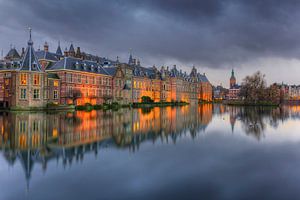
(38, 78)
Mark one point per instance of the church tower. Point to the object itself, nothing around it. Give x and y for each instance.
(232, 82)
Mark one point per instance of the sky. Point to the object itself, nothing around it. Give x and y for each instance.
(215, 36)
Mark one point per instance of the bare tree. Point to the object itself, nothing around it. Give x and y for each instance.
(253, 88)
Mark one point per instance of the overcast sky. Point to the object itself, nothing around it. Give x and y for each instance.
(213, 35)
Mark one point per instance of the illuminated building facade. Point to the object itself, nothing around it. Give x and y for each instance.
(38, 78)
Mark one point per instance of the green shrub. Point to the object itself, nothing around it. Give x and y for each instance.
(147, 99)
(97, 107)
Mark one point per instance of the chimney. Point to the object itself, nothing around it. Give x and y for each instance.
(78, 52)
(66, 53)
(23, 52)
(46, 47)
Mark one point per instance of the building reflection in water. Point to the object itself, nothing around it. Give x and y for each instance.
(254, 120)
(36, 138)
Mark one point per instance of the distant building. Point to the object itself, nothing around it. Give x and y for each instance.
(234, 88)
(220, 93)
(288, 93)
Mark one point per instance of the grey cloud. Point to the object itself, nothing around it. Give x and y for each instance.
(214, 33)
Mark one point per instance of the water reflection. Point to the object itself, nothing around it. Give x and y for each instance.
(36, 138)
(254, 120)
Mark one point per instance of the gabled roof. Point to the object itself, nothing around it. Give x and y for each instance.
(59, 51)
(30, 61)
(202, 78)
(111, 70)
(77, 64)
(47, 55)
(72, 48)
(143, 71)
(13, 54)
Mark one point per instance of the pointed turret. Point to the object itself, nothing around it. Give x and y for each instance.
(78, 53)
(27, 164)
(30, 61)
(59, 51)
(130, 61)
(193, 72)
(72, 50)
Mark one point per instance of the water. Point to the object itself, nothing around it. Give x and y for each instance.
(205, 152)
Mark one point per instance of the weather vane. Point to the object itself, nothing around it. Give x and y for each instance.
(30, 29)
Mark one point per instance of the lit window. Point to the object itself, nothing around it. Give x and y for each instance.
(36, 94)
(23, 79)
(55, 83)
(23, 93)
(36, 79)
(86, 79)
(55, 94)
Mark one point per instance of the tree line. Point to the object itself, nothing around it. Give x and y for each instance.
(254, 90)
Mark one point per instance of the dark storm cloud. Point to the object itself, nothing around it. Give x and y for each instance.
(212, 33)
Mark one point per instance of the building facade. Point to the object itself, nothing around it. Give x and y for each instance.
(38, 78)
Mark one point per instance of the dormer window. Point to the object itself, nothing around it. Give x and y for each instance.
(34, 65)
(77, 65)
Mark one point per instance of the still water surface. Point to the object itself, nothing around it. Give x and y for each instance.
(204, 152)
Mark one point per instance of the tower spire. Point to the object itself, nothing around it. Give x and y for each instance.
(59, 51)
(30, 38)
(130, 61)
(29, 61)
